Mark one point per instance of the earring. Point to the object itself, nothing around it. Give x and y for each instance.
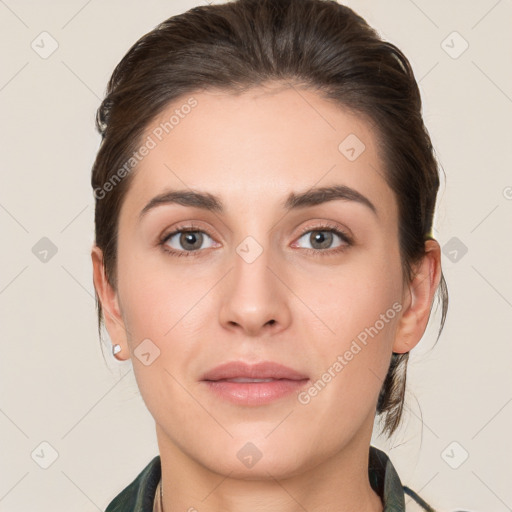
(115, 349)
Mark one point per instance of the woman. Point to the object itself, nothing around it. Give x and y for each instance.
(265, 192)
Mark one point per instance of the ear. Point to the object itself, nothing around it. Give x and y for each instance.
(418, 298)
(110, 304)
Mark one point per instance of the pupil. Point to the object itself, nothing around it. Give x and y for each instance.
(190, 238)
(322, 239)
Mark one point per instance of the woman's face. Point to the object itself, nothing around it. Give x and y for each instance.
(264, 277)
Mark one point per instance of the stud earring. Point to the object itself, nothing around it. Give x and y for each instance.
(115, 349)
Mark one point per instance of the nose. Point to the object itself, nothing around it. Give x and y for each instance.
(255, 299)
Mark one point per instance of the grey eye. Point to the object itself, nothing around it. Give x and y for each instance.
(188, 240)
(321, 239)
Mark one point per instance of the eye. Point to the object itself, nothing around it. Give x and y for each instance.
(185, 241)
(322, 238)
(189, 240)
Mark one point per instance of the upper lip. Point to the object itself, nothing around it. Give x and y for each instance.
(262, 370)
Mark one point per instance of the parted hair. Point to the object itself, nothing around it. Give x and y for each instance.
(318, 44)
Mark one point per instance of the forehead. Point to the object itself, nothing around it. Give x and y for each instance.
(258, 146)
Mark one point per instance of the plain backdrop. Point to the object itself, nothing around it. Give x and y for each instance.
(74, 429)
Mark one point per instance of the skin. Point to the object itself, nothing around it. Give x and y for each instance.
(252, 150)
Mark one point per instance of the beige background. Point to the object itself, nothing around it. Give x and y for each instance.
(56, 387)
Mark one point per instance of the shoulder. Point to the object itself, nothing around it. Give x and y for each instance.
(386, 483)
(140, 494)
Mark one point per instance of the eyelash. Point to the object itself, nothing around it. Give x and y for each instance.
(191, 228)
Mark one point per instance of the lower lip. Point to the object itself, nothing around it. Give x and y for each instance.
(254, 393)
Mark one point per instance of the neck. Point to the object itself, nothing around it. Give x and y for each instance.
(339, 483)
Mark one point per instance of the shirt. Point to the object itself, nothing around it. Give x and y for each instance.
(141, 495)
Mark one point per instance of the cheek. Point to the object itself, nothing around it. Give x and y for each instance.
(354, 295)
(359, 307)
(156, 297)
(163, 306)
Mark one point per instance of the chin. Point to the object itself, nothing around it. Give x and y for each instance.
(253, 457)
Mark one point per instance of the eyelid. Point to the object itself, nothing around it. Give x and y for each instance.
(325, 225)
(190, 226)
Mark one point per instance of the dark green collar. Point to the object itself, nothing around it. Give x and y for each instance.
(140, 494)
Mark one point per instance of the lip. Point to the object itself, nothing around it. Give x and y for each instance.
(262, 370)
(284, 381)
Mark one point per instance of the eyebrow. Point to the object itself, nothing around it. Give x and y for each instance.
(294, 201)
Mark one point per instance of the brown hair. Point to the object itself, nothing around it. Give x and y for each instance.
(318, 44)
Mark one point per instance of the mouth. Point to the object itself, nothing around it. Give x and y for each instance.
(253, 384)
(243, 379)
